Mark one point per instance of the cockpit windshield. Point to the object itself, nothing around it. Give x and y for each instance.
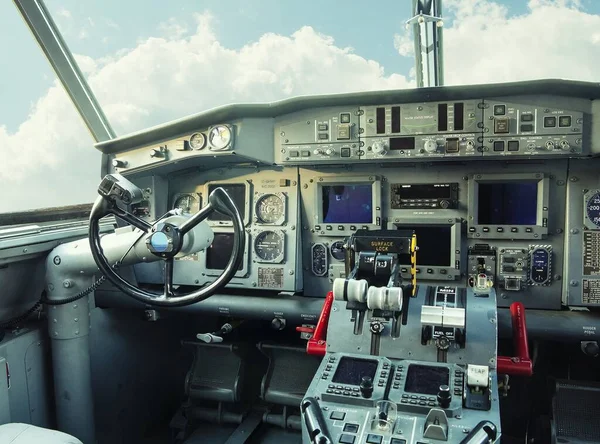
(152, 62)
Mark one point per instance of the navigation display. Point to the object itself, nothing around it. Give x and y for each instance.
(347, 204)
(435, 245)
(352, 370)
(507, 203)
(219, 252)
(425, 379)
(237, 192)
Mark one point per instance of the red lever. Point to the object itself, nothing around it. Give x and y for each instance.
(521, 364)
(317, 344)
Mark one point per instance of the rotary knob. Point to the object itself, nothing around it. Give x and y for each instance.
(328, 152)
(119, 163)
(444, 397)
(444, 204)
(430, 146)
(366, 386)
(376, 327)
(379, 148)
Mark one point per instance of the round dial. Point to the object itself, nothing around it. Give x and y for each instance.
(268, 246)
(270, 209)
(338, 251)
(592, 209)
(219, 137)
(187, 203)
(197, 141)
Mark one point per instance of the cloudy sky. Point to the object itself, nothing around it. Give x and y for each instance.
(153, 61)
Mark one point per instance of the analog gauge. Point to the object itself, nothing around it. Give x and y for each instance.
(592, 209)
(319, 259)
(219, 137)
(270, 209)
(268, 246)
(197, 141)
(188, 203)
(338, 251)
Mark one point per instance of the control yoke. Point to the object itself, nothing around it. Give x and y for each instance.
(165, 239)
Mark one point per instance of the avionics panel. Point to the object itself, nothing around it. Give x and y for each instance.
(264, 198)
(345, 204)
(326, 135)
(508, 206)
(514, 127)
(583, 237)
(439, 254)
(424, 195)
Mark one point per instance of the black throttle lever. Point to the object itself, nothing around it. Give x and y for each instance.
(315, 423)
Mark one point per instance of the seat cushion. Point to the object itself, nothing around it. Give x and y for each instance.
(27, 434)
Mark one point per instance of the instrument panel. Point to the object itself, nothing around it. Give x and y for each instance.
(501, 188)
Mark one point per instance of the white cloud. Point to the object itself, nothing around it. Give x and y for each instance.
(51, 156)
(64, 13)
(483, 44)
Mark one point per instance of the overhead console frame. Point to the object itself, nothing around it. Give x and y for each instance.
(508, 206)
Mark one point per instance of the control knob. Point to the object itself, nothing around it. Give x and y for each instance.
(317, 151)
(444, 204)
(366, 387)
(430, 146)
(328, 152)
(444, 396)
(379, 148)
(119, 163)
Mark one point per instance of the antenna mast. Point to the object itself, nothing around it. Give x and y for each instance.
(427, 28)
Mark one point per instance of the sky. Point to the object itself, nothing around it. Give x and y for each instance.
(149, 62)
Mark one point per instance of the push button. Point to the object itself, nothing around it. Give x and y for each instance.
(347, 439)
(549, 121)
(374, 439)
(499, 145)
(338, 416)
(294, 154)
(345, 152)
(513, 145)
(398, 441)
(351, 428)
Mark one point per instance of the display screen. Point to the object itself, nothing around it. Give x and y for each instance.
(237, 192)
(425, 191)
(402, 143)
(508, 203)
(425, 379)
(347, 204)
(219, 252)
(435, 245)
(352, 370)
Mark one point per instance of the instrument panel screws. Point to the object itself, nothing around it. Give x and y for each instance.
(67, 284)
(574, 231)
(573, 283)
(308, 122)
(291, 272)
(196, 281)
(24, 250)
(573, 179)
(56, 260)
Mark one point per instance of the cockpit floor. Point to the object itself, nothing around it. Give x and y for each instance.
(265, 434)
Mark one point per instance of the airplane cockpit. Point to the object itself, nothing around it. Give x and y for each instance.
(417, 266)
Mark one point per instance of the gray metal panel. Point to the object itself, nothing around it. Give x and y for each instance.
(55, 49)
(285, 270)
(586, 90)
(252, 142)
(481, 333)
(25, 402)
(583, 177)
(39, 391)
(4, 400)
